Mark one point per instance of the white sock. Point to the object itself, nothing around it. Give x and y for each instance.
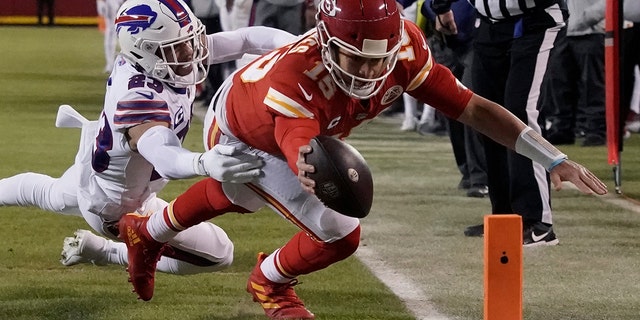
(270, 270)
(158, 228)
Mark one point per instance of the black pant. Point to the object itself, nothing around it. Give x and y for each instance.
(574, 92)
(510, 59)
(466, 142)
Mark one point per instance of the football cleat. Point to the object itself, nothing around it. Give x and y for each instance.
(278, 300)
(143, 253)
(539, 234)
(83, 247)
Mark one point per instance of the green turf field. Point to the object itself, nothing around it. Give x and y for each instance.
(415, 227)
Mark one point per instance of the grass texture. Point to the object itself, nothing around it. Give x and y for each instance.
(415, 225)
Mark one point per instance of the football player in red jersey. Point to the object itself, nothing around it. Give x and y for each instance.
(360, 58)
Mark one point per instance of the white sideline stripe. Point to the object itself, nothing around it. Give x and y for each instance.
(414, 298)
(620, 202)
(611, 198)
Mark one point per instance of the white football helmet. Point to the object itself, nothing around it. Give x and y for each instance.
(153, 35)
(371, 29)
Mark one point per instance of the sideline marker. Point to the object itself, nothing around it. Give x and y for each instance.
(503, 272)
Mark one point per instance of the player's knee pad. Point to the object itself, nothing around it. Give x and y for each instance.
(204, 247)
(327, 225)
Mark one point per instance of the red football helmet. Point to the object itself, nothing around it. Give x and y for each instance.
(370, 29)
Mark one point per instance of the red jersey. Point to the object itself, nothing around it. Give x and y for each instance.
(280, 101)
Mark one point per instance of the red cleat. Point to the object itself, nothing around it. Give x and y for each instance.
(143, 253)
(278, 300)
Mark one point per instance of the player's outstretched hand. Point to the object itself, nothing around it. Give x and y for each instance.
(303, 168)
(226, 164)
(577, 174)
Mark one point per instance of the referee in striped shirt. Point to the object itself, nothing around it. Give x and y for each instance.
(512, 46)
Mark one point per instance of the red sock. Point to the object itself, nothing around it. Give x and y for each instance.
(303, 255)
(201, 202)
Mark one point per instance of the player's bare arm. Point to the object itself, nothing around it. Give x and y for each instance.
(500, 125)
(492, 120)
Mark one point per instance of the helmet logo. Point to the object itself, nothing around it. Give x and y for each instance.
(136, 19)
(392, 94)
(328, 7)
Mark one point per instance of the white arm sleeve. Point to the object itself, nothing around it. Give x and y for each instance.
(231, 45)
(162, 148)
(531, 145)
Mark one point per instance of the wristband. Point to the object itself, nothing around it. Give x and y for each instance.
(531, 145)
(555, 163)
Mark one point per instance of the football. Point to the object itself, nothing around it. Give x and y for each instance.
(343, 178)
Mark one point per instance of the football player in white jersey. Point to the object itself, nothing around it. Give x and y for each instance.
(131, 151)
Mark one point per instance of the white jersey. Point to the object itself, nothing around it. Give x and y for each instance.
(118, 180)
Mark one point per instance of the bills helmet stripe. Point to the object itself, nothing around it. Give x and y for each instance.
(181, 14)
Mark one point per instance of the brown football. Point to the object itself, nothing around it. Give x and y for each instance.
(343, 178)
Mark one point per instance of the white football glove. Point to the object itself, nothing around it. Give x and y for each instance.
(226, 164)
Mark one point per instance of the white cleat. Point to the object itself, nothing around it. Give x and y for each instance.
(84, 247)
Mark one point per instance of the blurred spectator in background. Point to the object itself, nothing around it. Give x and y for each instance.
(632, 10)
(418, 116)
(47, 5)
(630, 48)
(310, 14)
(455, 52)
(633, 119)
(573, 94)
(209, 13)
(412, 117)
(108, 9)
(287, 15)
(234, 14)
